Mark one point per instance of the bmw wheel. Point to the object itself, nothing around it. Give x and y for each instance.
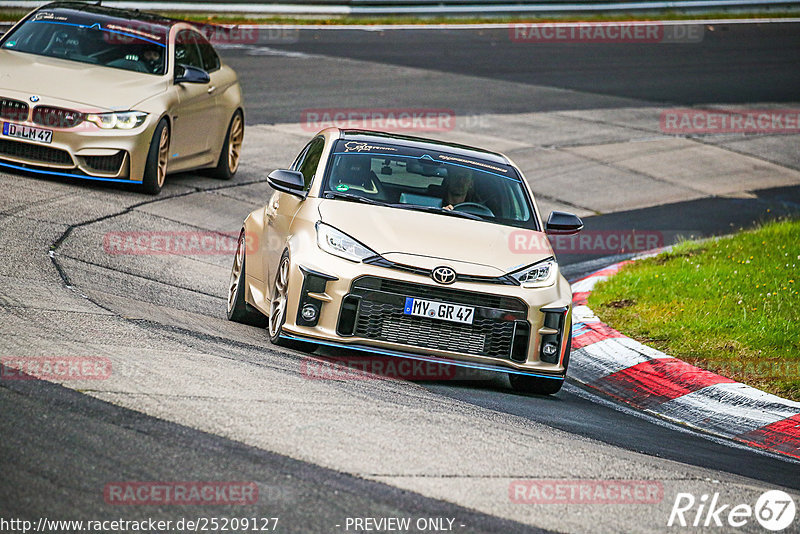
(155, 170)
(228, 162)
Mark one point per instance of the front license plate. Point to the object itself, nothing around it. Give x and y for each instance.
(439, 310)
(27, 132)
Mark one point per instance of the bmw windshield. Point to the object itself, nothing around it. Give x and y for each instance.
(95, 38)
(426, 180)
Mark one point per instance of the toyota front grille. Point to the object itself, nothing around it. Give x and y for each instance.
(374, 310)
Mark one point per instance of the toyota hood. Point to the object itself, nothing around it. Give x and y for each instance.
(80, 85)
(428, 240)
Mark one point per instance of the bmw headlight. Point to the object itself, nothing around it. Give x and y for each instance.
(120, 120)
(340, 244)
(539, 274)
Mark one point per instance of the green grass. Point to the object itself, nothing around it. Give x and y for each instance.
(14, 14)
(730, 305)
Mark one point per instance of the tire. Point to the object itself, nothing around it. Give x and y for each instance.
(229, 156)
(278, 307)
(541, 386)
(238, 309)
(155, 169)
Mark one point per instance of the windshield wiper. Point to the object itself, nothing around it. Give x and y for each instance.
(441, 211)
(353, 198)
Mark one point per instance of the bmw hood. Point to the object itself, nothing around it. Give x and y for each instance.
(83, 86)
(429, 240)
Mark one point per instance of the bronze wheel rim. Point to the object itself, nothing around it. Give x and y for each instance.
(235, 139)
(236, 273)
(163, 155)
(279, 299)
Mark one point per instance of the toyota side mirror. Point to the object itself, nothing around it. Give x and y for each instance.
(563, 223)
(189, 74)
(286, 181)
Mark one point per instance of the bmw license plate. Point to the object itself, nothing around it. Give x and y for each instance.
(439, 310)
(27, 132)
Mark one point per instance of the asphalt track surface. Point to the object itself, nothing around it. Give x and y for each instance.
(733, 63)
(51, 434)
(59, 447)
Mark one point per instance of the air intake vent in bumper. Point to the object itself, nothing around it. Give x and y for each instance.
(31, 153)
(105, 164)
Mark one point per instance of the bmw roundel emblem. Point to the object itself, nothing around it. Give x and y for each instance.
(34, 98)
(443, 275)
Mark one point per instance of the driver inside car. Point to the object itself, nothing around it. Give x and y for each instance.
(459, 188)
(355, 172)
(151, 58)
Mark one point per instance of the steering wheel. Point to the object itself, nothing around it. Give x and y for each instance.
(378, 185)
(57, 44)
(473, 208)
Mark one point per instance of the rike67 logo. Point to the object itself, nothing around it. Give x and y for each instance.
(774, 510)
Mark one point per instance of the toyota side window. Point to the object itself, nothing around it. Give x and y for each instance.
(300, 157)
(309, 165)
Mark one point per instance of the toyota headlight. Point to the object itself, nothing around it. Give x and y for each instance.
(120, 120)
(539, 274)
(340, 244)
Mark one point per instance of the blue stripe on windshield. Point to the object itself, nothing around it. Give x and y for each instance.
(103, 29)
(513, 179)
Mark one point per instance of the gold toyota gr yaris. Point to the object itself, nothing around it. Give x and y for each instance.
(408, 247)
(117, 96)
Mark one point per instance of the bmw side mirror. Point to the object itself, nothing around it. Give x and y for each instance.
(563, 223)
(189, 74)
(291, 182)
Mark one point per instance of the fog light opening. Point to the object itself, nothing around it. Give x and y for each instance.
(309, 309)
(550, 343)
(310, 312)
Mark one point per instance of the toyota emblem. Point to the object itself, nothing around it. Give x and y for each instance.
(443, 275)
